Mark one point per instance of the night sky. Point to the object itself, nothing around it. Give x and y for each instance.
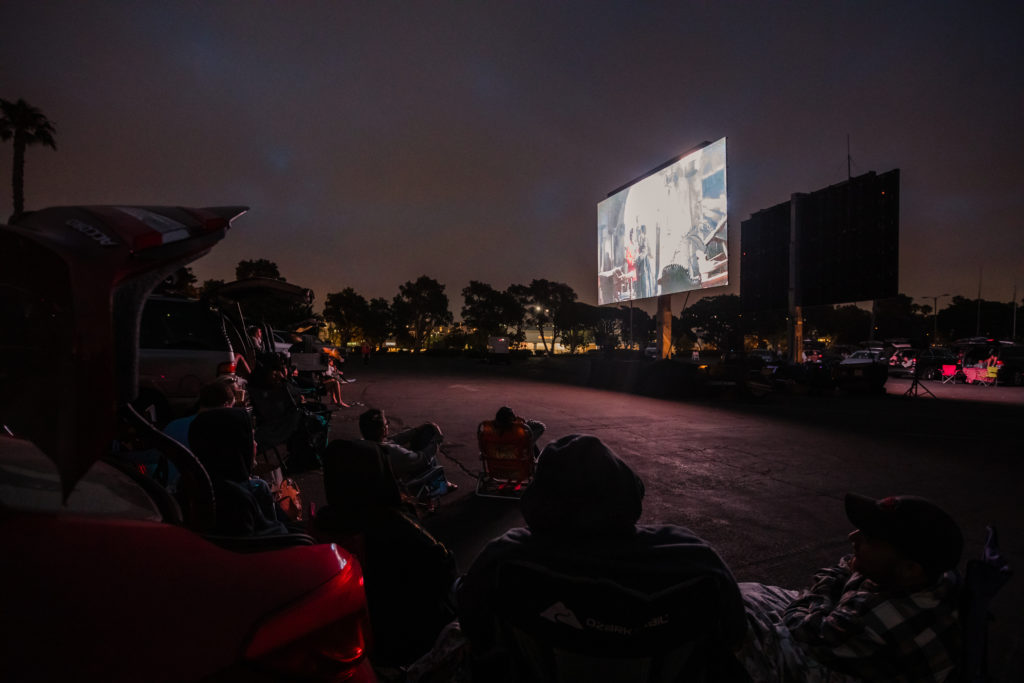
(376, 142)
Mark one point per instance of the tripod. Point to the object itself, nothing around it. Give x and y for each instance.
(916, 385)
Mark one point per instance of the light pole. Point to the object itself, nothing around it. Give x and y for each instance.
(935, 314)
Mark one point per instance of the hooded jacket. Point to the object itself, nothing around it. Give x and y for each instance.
(581, 512)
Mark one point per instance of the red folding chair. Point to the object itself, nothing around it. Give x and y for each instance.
(949, 373)
(507, 459)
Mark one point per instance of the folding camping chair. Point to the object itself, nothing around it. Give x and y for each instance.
(983, 579)
(987, 377)
(507, 459)
(425, 490)
(565, 627)
(949, 373)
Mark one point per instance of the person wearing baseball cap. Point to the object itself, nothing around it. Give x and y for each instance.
(886, 612)
(902, 541)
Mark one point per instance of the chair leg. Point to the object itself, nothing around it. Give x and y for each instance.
(281, 461)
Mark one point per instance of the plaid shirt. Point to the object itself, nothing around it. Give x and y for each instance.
(851, 625)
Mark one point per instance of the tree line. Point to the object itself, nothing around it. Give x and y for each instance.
(419, 317)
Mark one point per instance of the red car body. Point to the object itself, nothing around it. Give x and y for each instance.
(101, 581)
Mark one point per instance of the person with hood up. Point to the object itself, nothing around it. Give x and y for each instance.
(222, 440)
(581, 513)
(408, 574)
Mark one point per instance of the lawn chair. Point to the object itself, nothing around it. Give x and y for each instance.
(982, 580)
(303, 429)
(425, 490)
(991, 377)
(949, 374)
(563, 627)
(507, 457)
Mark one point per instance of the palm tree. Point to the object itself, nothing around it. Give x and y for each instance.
(27, 126)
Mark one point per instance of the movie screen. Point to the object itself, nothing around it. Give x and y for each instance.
(666, 233)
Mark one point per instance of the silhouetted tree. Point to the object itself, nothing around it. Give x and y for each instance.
(257, 268)
(181, 282)
(683, 338)
(492, 313)
(848, 324)
(542, 301)
(419, 309)
(899, 316)
(580, 323)
(25, 125)
(715, 320)
(636, 327)
(606, 327)
(969, 318)
(348, 311)
(768, 326)
(458, 339)
(208, 290)
(379, 322)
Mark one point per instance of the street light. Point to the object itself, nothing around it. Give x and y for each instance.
(935, 314)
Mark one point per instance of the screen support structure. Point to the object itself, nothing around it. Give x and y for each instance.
(664, 325)
(796, 317)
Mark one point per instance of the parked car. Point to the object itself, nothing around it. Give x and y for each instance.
(183, 344)
(109, 576)
(765, 355)
(903, 361)
(1011, 365)
(929, 362)
(863, 370)
(862, 356)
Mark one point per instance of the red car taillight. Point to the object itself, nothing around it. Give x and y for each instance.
(226, 368)
(325, 637)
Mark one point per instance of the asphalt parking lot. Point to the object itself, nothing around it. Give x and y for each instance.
(762, 481)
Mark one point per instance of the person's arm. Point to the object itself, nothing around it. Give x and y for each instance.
(405, 462)
(845, 632)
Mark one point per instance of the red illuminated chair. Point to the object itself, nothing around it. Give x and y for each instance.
(949, 373)
(507, 459)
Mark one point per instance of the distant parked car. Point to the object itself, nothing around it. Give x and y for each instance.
(183, 344)
(866, 369)
(1011, 365)
(764, 354)
(863, 356)
(903, 361)
(929, 362)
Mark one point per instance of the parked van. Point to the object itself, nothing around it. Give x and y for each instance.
(183, 344)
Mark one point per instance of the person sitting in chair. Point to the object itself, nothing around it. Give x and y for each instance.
(331, 381)
(887, 612)
(222, 439)
(409, 574)
(581, 513)
(411, 452)
(505, 418)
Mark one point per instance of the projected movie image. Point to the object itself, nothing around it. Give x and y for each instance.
(667, 232)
